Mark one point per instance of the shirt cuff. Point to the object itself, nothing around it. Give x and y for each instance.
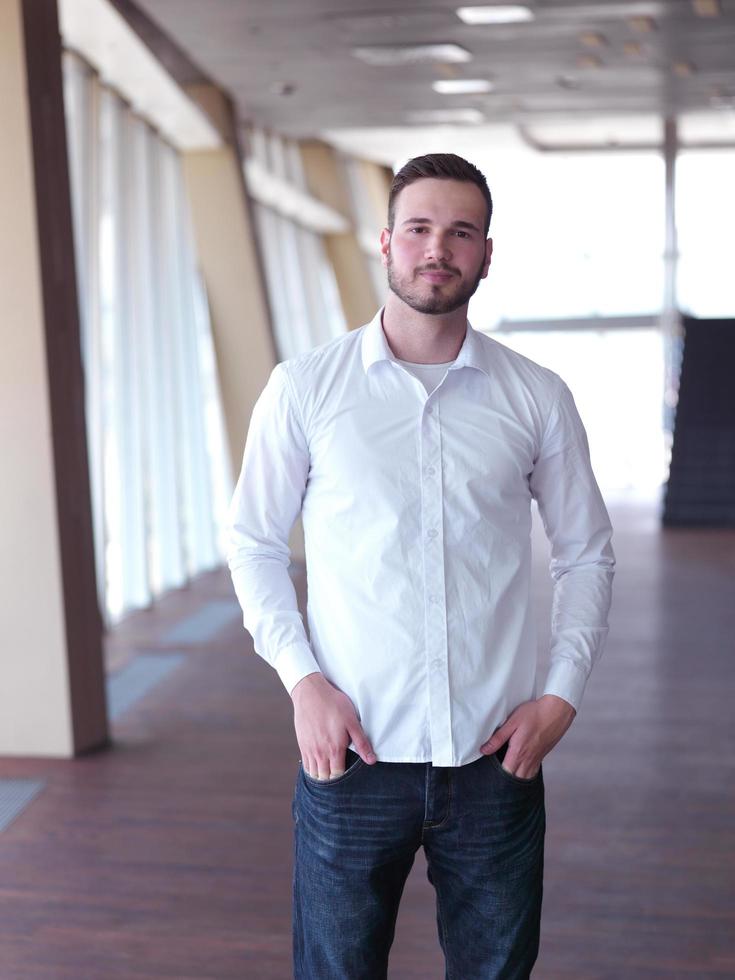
(566, 681)
(294, 662)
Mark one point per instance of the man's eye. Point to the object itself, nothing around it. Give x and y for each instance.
(417, 229)
(462, 234)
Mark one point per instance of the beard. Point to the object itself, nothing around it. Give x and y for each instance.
(433, 298)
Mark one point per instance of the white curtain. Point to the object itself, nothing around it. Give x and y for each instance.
(158, 465)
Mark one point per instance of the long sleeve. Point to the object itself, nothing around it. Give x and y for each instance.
(265, 504)
(582, 560)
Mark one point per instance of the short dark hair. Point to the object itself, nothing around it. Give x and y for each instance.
(439, 166)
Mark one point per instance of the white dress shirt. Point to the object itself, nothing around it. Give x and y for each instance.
(416, 512)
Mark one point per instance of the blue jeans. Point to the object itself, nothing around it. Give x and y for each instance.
(355, 838)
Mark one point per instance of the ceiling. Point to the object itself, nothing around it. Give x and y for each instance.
(289, 65)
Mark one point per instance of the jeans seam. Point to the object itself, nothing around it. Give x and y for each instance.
(298, 938)
(444, 933)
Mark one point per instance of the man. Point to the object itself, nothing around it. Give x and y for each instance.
(413, 447)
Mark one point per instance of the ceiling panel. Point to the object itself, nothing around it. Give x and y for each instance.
(289, 63)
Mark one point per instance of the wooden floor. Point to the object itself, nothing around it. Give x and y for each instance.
(170, 855)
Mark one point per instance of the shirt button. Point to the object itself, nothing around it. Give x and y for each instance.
(431, 471)
(433, 598)
(436, 664)
(432, 532)
(429, 410)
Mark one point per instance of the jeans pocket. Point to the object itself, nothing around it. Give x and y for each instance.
(353, 762)
(498, 757)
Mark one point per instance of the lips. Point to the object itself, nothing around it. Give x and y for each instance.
(437, 277)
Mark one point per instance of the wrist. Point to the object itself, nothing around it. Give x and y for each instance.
(307, 682)
(560, 704)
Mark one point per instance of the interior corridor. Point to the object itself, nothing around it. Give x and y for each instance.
(165, 858)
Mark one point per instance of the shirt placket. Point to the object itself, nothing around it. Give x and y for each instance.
(432, 509)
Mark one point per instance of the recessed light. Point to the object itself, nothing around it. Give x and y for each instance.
(462, 86)
(434, 116)
(385, 55)
(707, 8)
(588, 61)
(642, 25)
(497, 14)
(683, 69)
(590, 39)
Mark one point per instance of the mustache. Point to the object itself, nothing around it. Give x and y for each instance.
(438, 268)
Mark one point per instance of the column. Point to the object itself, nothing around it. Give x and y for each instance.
(52, 695)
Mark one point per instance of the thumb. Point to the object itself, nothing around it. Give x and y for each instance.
(362, 743)
(498, 738)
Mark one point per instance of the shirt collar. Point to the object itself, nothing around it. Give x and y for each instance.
(375, 347)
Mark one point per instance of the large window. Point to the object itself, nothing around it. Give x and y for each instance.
(581, 236)
(575, 236)
(158, 466)
(705, 205)
(617, 379)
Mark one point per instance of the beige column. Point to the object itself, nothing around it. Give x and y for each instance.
(376, 180)
(327, 182)
(52, 697)
(230, 263)
(224, 231)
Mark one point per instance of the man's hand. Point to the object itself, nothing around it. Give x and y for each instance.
(531, 730)
(326, 721)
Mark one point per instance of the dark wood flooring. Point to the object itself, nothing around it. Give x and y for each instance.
(170, 854)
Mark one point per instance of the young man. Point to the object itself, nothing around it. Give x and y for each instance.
(413, 447)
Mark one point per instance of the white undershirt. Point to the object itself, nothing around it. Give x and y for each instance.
(428, 374)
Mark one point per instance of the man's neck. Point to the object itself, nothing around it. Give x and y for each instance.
(421, 338)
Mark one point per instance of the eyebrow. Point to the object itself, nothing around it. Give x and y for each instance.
(427, 221)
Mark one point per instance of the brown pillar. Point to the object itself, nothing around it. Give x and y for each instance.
(52, 694)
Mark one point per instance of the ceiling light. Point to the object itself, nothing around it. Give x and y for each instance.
(497, 14)
(642, 25)
(683, 69)
(588, 61)
(707, 8)
(446, 116)
(633, 49)
(385, 55)
(462, 86)
(592, 40)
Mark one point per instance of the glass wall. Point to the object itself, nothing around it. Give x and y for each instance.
(575, 235)
(705, 217)
(302, 289)
(158, 467)
(580, 236)
(617, 378)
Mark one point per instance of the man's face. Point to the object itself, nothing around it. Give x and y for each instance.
(437, 254)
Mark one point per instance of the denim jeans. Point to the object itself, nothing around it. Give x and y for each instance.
(355, 838)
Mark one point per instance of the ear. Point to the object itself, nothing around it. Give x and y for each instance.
(384, 245)
(488, 257)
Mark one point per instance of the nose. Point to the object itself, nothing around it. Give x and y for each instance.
(436, 248)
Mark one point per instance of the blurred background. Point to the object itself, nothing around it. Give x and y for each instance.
(192, 191)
